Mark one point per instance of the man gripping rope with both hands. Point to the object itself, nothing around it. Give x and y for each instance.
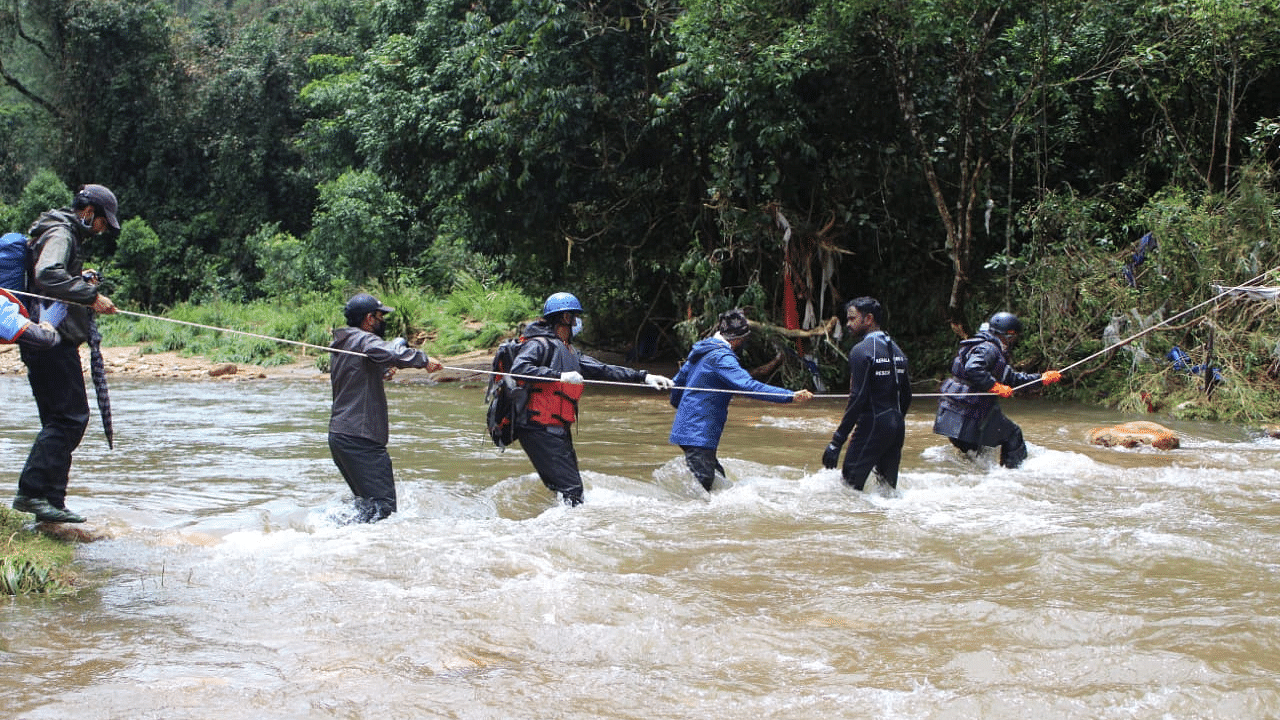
(358, 425)
(545, 429)
(968, 413)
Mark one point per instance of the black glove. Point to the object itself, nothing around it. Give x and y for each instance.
(831, 456)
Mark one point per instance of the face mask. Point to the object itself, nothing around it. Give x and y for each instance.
(380, 328)
(86, 224)
(577, 326)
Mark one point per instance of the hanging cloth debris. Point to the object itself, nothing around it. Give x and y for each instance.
(98, 371)
(1182, 361)
(1261, 293)
(1122, 325)
(1145, 245)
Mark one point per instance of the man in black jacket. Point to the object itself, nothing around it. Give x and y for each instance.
(879, 396)
(968, 412)
(358, 424)
(55, 374)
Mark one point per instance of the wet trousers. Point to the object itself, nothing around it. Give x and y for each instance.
(993, 429)
(1013, 449)
(366, 466)
(57, 382)
(876, 444)
(550, 449)
(703, 464)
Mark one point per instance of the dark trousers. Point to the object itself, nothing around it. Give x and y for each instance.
(1013, 448)
(704, 465)
(876, 444)
(366, 466)
(57, 382)
(552, 454)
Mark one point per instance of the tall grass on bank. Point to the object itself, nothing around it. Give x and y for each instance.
(304, 318)
(32, 562)
(470, 317)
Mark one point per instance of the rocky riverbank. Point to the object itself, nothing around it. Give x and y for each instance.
(131, 361)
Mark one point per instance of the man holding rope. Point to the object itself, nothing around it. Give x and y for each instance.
(700, 415)
(712, 364)
(968, 412)
(358, 425)
(55, 374)
(544, 430)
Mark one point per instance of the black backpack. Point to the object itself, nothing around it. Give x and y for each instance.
(506, 396)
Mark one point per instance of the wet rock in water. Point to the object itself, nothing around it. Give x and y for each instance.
(225, 369)
(1271, 431)
(1133, 434)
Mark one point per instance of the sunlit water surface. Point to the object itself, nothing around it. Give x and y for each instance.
(1091, 583)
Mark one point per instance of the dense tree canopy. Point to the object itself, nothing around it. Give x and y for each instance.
(665, 160)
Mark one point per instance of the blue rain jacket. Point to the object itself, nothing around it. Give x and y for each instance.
(700, 416)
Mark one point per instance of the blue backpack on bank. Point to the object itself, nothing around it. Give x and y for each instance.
(15, 257)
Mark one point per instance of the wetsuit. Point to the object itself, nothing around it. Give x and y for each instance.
(700, 416)
(975, 421)
(358, 422)
(544, 428)
(879, 397)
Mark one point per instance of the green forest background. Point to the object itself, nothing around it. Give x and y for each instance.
(668, 160)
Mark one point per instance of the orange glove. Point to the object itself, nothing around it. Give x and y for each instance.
(1050, 377)
(1002, 390)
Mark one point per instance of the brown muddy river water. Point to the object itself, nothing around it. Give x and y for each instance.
(1091, 583)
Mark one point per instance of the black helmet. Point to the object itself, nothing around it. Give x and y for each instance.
(1005, 323)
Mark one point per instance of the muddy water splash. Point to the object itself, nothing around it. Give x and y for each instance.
(1090, 583)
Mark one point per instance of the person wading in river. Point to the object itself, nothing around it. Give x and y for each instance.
(968, 416)
(544, 430)
(700, 416)
(55, 374)
(358, 424)
(879, 396)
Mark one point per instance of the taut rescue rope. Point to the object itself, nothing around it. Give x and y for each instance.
(480, 371)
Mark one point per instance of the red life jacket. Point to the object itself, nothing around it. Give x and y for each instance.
(553, 403)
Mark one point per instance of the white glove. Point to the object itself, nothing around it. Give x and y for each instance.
(573, 377)
(399, 344)
(658, 382)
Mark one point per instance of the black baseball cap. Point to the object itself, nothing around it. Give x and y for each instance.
(101, 198)
(362, 304)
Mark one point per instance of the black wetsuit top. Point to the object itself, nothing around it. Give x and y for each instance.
(879, 383)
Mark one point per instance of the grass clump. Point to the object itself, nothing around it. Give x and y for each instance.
(472, 316)
(32, 562)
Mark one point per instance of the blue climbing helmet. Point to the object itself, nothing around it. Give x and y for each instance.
(561, 302)
(1005, 324)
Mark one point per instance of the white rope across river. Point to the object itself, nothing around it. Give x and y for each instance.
(324, 348)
